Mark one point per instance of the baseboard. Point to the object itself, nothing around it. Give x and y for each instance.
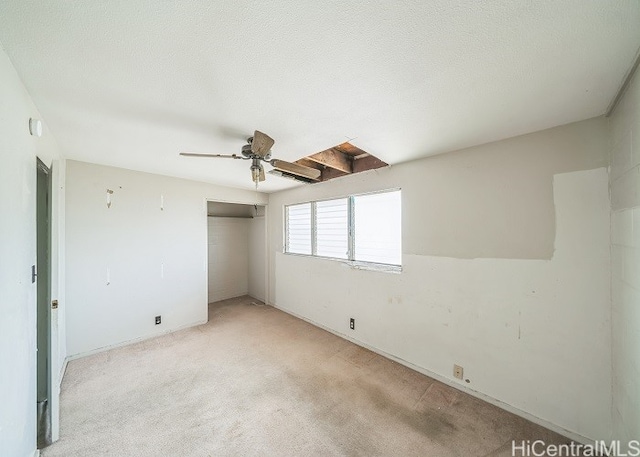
(133, 341)
(258, 299)
(500, 404)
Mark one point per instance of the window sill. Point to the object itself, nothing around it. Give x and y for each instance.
(355, 264)
(383, 267)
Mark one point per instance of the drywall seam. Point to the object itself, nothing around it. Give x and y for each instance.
(502, 405)
(133, 341)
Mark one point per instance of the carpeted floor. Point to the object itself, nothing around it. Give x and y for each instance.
(256, 381)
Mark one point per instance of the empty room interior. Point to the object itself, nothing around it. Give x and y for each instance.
(319, 228)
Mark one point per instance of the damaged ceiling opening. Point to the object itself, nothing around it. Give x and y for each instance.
(341, 160)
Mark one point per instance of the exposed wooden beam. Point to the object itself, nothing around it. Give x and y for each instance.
(327, 173)
(309, 163)
(367, 163)
(296, 169)
(330, 173)
(349, 149)
(278, 172)
(334, 159)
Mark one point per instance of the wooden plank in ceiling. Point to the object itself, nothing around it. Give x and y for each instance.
(333, 158)
(367, 163)
(341, 160)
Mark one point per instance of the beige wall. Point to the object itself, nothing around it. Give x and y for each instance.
(625, 278)
(506, 271)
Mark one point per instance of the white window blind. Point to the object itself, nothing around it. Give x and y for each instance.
(332, 228)
(298, 229)
(378, 228)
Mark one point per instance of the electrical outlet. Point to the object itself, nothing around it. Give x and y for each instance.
(352, 323)
(158, 320)
(457, 371)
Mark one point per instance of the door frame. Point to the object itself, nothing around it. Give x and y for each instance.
(266, 240)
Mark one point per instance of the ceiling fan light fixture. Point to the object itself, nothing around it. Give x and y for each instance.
(257, 172)
(255, 175)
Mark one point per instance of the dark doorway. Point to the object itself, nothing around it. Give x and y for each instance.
(43, 308)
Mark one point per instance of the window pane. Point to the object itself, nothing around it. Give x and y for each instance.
(378, 229)
(332, 228)
(298, 229)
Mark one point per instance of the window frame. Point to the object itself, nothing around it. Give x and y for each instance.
(350, 260)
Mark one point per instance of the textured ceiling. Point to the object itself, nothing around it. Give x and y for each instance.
(133, 83)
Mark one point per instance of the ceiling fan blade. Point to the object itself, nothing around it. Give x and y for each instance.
(296, 169)
(261, 144)
(196, 154)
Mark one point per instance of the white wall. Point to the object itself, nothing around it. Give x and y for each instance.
(133, 261)
(258, 254)
(625, 238)
(505, 271)
(228, 257)
(18, 152)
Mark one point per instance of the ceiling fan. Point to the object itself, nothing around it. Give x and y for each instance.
(258, 150)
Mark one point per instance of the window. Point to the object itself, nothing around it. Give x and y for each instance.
(332, 228)
(360, 228)
(298, 229)
(378, 228)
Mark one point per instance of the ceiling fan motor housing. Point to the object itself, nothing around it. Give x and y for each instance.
(246, 150)
(248, 153)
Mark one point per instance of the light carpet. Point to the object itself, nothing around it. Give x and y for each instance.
(257, 381)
